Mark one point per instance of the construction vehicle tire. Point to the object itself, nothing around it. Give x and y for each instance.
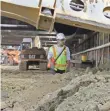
(43, 66)
(23, 66)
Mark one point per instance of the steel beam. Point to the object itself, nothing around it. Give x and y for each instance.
(19, 12)
(27, 33)
(49, 39)
(8, 44)
(93, 18)
(16, 27)
(48, 42)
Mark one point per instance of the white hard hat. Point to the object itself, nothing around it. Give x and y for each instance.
(60, 36)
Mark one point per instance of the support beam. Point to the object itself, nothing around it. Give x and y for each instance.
(21, 37)
(92, 49)
(8, 44)
(64, 15)
(19, 12)
(49, 42)
(82, 23)
(16, 27)
(27, 33)
(49, 39)
(11, 25)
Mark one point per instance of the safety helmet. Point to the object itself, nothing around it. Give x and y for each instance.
(60, 36)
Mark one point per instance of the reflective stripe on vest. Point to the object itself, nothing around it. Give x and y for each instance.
(60, 65)
(54, 52)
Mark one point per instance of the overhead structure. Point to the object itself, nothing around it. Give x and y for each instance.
(41, 17)
(21, 33)
(15, 37)
(87, 14)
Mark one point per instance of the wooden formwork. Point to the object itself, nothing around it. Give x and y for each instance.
(99, 51)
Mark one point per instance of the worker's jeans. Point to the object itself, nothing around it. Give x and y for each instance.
(52, 71)
(60, 71)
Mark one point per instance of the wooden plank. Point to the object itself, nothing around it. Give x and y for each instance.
(76, 61)
(92, 49)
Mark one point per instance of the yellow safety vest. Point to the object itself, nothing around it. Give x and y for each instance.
(61, 62)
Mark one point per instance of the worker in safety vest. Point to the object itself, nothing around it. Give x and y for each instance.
(59, 62)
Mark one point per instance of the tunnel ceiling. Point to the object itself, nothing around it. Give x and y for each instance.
(12, 29)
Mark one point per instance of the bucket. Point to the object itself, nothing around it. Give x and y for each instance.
(83, 58)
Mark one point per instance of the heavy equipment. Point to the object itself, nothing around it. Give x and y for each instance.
(10, 56)
(61, 15)
(31, 56)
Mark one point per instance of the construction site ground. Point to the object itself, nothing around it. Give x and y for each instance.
(35, 90)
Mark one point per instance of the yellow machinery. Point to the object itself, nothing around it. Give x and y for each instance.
(30, 55)
(88, 14)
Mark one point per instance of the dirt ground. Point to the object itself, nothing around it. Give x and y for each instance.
(34, 90)
(89, 91)
(25, 89)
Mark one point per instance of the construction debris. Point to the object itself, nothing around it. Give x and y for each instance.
(10, 56)
(74, 91)
(85, 93)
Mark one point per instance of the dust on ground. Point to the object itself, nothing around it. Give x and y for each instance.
(34, 90)
(88, 92)
(25, 89)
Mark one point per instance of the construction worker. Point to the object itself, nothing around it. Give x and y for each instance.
(59, 56)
